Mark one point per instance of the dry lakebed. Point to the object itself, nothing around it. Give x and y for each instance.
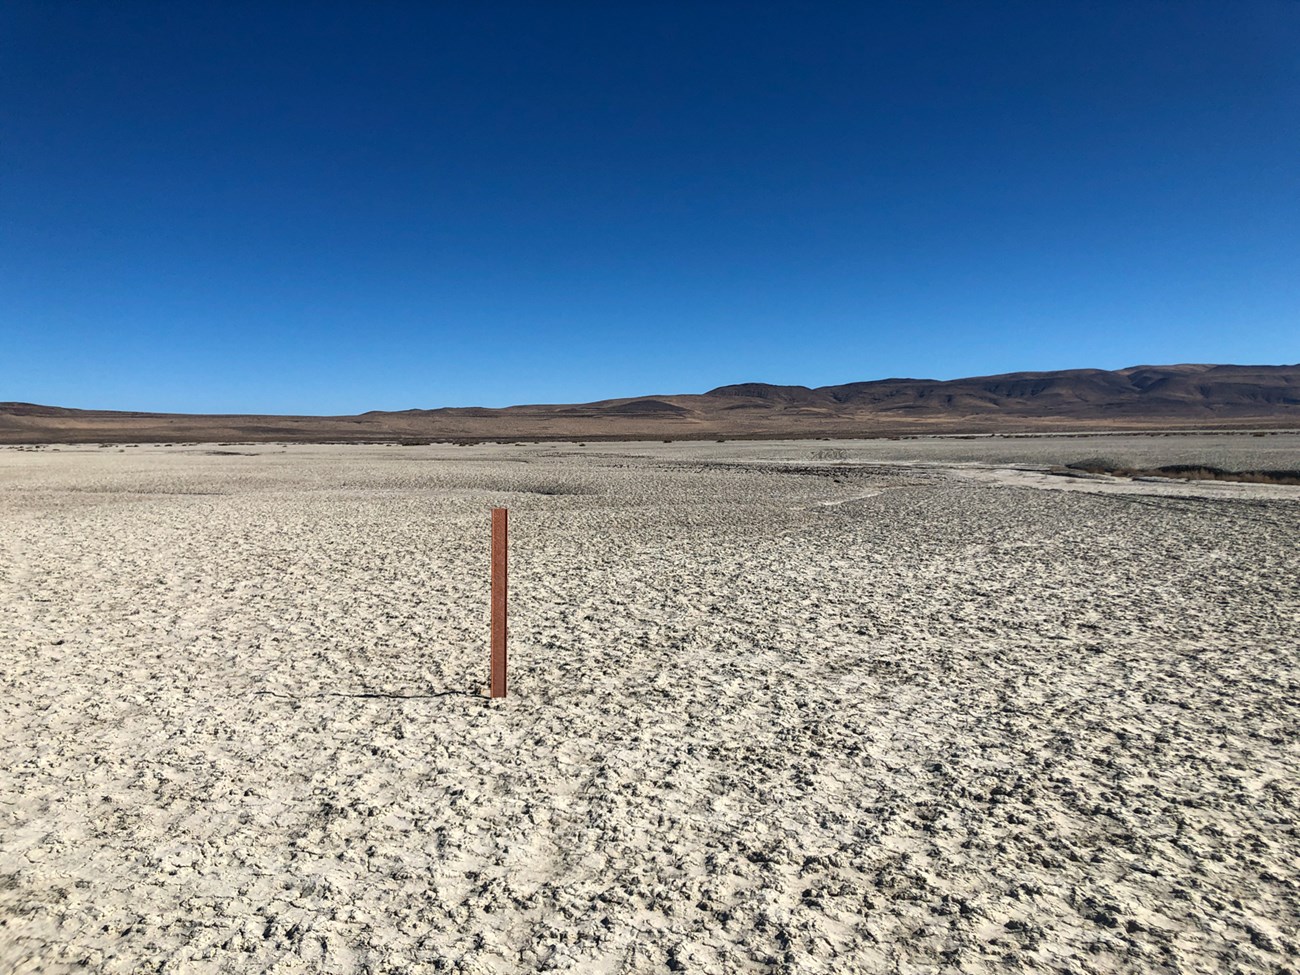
(856, 706)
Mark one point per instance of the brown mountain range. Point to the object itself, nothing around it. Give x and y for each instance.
(1138, 398)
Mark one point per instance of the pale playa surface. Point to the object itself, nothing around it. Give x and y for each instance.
(865, 718)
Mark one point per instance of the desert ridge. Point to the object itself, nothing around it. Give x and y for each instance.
(1145, 397)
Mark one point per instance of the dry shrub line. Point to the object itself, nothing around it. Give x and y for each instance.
(1190, 472)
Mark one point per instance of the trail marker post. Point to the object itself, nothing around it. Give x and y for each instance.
(497, 679)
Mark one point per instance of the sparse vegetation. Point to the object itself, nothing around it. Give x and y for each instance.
(1095, 465)
(1186, 472)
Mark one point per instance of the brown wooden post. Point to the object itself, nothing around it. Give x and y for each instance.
(498, 670)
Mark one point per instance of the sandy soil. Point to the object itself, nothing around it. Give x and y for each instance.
(772, 710)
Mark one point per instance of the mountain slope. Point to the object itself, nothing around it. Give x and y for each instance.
(1140, 397)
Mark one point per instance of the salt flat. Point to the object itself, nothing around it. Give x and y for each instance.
(783, 707)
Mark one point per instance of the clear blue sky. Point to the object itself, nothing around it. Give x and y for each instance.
(311, 207)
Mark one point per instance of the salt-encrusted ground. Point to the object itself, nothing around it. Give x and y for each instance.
(773, 708)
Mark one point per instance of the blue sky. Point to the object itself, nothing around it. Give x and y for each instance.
(321, 208)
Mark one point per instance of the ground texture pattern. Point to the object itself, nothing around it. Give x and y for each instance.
(769, 717)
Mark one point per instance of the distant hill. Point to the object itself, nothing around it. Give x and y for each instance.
(1138, 398)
